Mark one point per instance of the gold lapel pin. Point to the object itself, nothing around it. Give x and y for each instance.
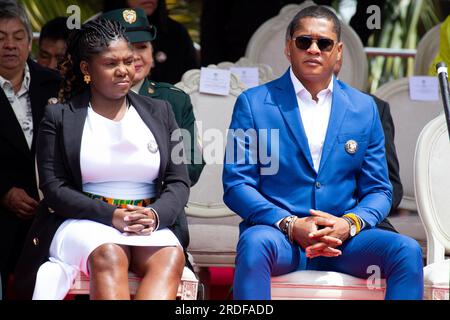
(351, 146)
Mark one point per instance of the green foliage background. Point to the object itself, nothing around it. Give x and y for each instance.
(406, 21)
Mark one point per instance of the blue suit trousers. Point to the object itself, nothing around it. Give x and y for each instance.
(263, 251)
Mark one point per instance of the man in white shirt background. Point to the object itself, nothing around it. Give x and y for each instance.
(25, 90)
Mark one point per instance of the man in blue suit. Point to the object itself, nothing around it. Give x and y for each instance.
(320, 208)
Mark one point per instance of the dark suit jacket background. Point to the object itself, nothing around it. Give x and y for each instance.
(17, 161)
(174, 41)
(62, 186)
(391, 158)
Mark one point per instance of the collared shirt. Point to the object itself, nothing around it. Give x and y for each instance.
(21, 103)
(315, 116)
(137, 86)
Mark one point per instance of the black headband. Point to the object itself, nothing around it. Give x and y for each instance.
(150, 29)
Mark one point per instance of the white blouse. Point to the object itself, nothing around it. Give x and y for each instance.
(119, 159)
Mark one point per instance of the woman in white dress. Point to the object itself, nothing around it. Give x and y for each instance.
(113, 193)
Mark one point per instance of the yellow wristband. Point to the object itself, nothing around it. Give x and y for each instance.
(355, 219)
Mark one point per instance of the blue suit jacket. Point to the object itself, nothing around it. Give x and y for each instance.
(344, 183)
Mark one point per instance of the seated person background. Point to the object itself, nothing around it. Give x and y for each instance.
(52, 42)
(112, 192)
(25, 89)
(320, 209)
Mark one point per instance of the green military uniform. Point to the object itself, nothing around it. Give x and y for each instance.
(184, 115)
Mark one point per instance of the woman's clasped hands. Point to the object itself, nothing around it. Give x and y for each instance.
(134, 220)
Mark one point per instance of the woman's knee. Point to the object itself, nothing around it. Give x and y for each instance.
(108, 257)
(176, 258)
(168, 258)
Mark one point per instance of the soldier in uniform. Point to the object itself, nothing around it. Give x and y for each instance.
(140, 34)
(174, 50)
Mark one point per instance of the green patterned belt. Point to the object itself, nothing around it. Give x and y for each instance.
(120, 203)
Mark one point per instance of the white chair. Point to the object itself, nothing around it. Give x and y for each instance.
(325, 285)
(432, 185)
(187, 290)
(265, 72)
(427, 50)
(268, 42)
(409, 119)
(213, 228)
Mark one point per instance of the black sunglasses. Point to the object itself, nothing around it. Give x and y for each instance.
(304, 42)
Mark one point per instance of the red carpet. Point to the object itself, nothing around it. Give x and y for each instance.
(218, 283)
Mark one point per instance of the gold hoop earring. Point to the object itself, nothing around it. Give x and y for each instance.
(87, 78)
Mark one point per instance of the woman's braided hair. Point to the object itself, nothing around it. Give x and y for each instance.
(91, 39)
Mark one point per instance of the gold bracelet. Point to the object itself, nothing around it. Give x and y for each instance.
(355, 219)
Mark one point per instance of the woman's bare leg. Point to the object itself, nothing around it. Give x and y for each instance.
(161, 269)
(108, 268)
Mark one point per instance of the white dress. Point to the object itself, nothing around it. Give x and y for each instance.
(118, 159)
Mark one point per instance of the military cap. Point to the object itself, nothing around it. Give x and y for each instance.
(138, 29)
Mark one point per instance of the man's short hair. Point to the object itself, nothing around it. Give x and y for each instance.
(318, 12)
(12, 10)
(55, 29)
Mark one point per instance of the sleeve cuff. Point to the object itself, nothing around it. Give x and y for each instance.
(277, 224)
(363, 223)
